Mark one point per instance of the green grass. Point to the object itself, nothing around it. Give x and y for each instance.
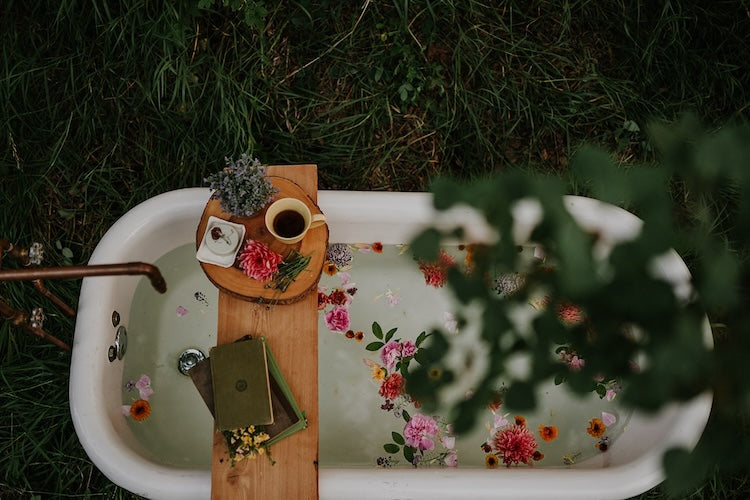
(104, 105)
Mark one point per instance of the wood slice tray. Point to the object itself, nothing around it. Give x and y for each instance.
(234, 282)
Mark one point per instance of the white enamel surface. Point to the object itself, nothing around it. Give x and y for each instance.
(169, 220)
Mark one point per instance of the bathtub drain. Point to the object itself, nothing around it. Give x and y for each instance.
(188, 359)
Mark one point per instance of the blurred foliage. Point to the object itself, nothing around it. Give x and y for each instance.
(710, 226)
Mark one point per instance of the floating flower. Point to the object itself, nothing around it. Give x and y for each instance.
(408, 348)
(548, 432)
(377, 247)
(143, 385)
(491, 461)
(258, 261)
(508, 283)
(419, 431)
(329, 268)
(349, 334)
(435, 273)
(377, 372)
(520, 420)
(514, 445)
(603, 444)
(322, 301)
(451, 459)
(570, 314)
(337, 319)
(340, 255)
(608, 419)
(359, 336)
(390, 353)
(140, 410)
(596, 428)
(392, 387)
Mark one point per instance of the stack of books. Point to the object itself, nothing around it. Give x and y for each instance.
(242, 386)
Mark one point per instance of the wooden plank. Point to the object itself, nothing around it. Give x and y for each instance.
(292, 334)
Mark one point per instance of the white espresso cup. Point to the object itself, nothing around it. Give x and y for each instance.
(289, 219)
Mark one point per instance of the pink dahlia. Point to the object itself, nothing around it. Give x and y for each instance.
(419, 431)
(258, 261)
(514, 444)
(337, 319)
(392, 387)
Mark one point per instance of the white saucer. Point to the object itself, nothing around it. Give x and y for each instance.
(221, 251)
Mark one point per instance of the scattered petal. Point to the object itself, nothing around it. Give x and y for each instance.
(608, 418)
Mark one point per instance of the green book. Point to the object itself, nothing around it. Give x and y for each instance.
(242, 391)
(288, 417)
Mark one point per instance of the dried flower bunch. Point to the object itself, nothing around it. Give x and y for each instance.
(242, 186)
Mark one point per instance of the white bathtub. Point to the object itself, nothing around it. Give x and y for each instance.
(169, 220)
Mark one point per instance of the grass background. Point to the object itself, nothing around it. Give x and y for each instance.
(105, 104)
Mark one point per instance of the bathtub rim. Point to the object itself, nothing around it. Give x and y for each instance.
(93, 422)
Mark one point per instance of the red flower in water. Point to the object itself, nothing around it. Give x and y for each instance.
(338, 297)
(514, 444)
(570, 314)
(377, 247)
(258, 261)
(435, 273)
(392, 387)
(140, 410)
(548, 432)
(322, 301)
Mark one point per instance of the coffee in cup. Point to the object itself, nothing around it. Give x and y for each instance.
(289, 219)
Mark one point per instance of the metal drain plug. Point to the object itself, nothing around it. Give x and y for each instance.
(188, 359)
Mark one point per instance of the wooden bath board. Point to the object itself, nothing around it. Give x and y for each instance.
(233, 281)
(291, 331)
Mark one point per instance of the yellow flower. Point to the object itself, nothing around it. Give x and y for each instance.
(596, 428)
(491, 461)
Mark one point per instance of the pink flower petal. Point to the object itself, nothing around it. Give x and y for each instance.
(608, 419)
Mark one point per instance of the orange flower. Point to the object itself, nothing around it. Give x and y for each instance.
(377, 247)
(548, 432)
(349, 334)
(359, 336)
(596, 428)
(520, 421)
(491, 461)
(537, 456)
(140, 410)
(329, 268)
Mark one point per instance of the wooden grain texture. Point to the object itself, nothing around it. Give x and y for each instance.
(234, 282)
(292, 334)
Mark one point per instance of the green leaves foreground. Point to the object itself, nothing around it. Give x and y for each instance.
(631, 313)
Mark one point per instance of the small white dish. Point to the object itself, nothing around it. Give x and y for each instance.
(221, 242)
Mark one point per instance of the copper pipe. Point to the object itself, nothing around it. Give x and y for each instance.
(130, 268)
(20, 319)
(41, 288)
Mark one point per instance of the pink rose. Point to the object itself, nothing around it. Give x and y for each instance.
(408, 348)
(337, 319)
(390, 354)
(419, 430)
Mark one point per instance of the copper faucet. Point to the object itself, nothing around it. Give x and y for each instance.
(33, 255)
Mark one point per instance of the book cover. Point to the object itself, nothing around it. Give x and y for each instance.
(241, 386)
(288, 417)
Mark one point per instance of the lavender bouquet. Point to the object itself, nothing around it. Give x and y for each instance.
(242, 186)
